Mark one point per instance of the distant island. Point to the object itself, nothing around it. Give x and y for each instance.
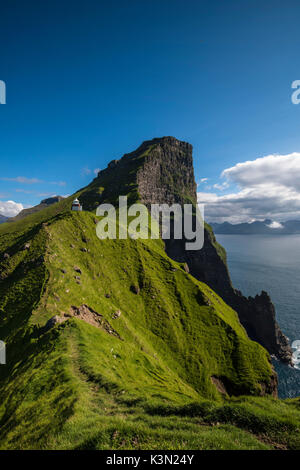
(31, 210)
(267, 227)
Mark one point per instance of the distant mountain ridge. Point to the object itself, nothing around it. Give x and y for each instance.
(267, 226)
(31, 210)
(3, 218)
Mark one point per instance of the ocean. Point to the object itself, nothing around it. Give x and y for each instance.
(270, 263)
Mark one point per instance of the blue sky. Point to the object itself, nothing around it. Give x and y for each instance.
(89, 81)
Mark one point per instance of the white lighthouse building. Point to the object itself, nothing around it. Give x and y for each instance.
(76, 206)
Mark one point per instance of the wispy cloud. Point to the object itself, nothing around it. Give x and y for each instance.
(85, 171)
(202, 181)
(23, 179)
(25, 191)
(221, 186)
(59, 183)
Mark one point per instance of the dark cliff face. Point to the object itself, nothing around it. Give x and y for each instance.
(167, 176)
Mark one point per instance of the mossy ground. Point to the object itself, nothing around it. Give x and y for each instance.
(79, 387)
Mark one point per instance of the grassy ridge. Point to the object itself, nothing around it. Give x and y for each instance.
(78, 386)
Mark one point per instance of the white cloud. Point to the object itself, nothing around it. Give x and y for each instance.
(268, 187)
(275, 225)
(276, 169)
(96, 171)
(222, 186)
(10, 208)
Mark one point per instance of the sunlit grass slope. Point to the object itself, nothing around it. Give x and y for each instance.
(147, 375)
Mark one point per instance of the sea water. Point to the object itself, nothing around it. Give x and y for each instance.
(270, 263)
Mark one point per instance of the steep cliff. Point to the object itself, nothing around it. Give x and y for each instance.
(167, 176)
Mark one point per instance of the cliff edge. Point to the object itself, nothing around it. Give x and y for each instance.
(166, 175)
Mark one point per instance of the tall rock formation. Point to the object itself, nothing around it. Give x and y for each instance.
(162, 172)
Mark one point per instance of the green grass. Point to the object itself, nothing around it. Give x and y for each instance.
(79, 387)
(58, 402)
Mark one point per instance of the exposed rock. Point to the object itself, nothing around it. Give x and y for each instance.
(26, 246)
(6, 256)
(158, 181)
(107, 296)
(270, 388)
(84, 250)
(116, 315)
(186, 268)
(77, 269)
(135, 289)
(89, 315)
(86, 314)
(219, 385)
(52, 322)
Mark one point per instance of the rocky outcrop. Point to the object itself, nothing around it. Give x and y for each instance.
(167, 176)
(87, 314)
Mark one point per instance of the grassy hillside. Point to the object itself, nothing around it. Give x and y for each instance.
(143, 356)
